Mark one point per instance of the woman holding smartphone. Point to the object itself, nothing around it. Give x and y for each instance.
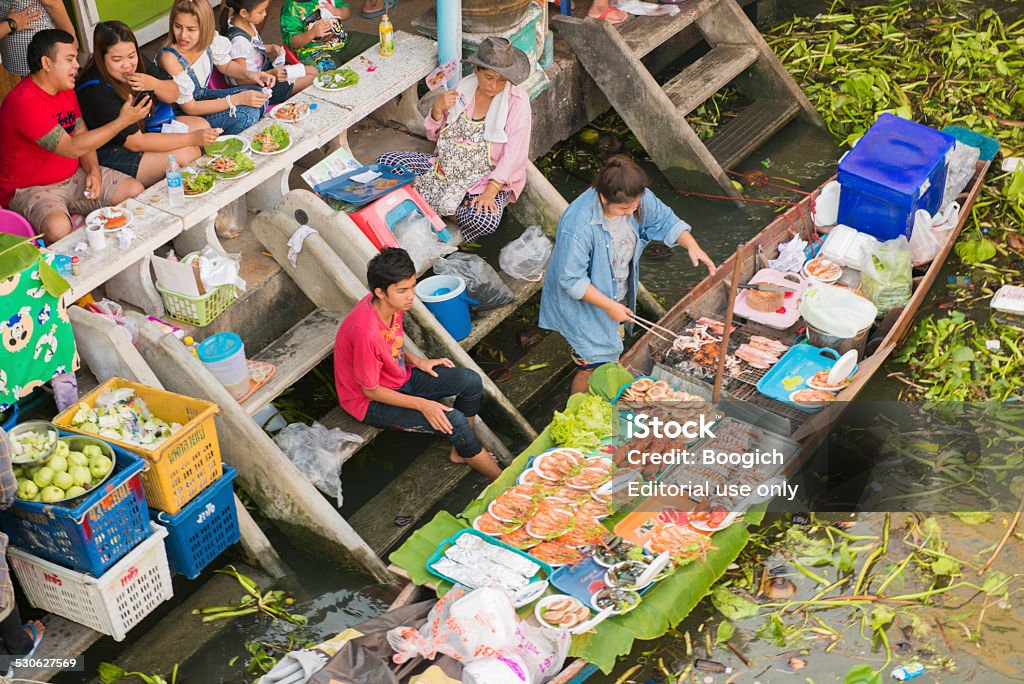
(115, 73)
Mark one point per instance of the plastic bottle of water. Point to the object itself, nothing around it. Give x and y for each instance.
(175, 188)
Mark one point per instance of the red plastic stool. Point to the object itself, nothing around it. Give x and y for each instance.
(376, 220)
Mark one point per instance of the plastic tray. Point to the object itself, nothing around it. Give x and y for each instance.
(181, 466)
(203, 529)
(101, 528)
(781, 319)
(443, 546)
(111, 604)
(344, 189)
(793, 370)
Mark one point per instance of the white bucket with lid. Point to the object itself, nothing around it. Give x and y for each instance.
(223, 355)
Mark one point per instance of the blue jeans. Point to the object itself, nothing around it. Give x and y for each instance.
(244, 117)
(462, 383)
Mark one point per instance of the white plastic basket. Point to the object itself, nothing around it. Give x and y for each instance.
(126, 593)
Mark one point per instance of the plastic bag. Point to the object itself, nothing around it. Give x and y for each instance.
(231, 219)
(962, 161)
(791, 256)
(114, 313)
(924, 245)
(315, 451)
(525, 257)
(217, 268)
(464, 626)
(417, 236)
(482, 282)
(837, 311)
(826, 205)
(543, 650)
(887, 277)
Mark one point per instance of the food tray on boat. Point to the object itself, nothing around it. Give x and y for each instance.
(473, 559)
(584, 579)
(793, 371)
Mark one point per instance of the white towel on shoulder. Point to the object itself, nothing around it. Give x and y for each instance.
(497, 113)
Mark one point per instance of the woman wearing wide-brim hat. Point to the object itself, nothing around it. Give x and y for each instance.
(482, 129)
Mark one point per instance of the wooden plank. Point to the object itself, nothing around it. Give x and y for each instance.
(295, 353)
(488, 320)
(339, 418)
(420, 486)
(644, 34)
(692, 86)
(738, 139)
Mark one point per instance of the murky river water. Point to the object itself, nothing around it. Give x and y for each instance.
(334, 600)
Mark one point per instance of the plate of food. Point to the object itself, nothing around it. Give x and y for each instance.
(231, 166)
(271, 140)
(227, 145)
(293, 112)
(112, 219)
(619, 600)
(811, 398)
(560, 611)
(819, 381)
(336, 79)
(712, 521)
(823, 270)
(197, 184)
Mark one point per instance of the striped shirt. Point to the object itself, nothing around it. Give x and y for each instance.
(14, 47)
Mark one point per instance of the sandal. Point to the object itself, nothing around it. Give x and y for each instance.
(608, 11)
(388, 5)
(37, 638)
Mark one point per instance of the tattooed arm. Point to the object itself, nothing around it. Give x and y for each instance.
(85, 141)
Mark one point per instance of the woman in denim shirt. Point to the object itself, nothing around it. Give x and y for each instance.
(592, 278)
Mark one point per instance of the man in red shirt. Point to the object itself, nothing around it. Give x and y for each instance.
(381, 383)
(48, 165)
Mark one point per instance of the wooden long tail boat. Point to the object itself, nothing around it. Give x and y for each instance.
(710, 297)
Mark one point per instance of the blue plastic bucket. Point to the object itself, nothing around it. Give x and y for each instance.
(446, 298)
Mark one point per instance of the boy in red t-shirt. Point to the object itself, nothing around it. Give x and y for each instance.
(381, 383)
(48, 164)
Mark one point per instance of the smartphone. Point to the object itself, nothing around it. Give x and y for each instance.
(142, 94)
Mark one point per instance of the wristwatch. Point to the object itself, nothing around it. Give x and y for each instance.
(13, 24)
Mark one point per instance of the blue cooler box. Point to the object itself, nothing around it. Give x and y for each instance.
(898, 167)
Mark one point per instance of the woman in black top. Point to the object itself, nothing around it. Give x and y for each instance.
(112, 75)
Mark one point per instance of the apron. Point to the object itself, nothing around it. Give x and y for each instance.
(463, 158)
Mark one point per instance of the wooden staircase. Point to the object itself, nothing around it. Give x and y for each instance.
(738, 55)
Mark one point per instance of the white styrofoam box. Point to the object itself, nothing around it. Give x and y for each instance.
(847, 247)
(1009, 299)
(112, 604)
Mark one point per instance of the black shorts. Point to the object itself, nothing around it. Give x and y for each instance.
(120, 159)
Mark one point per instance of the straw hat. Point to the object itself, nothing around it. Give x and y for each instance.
(498, 54)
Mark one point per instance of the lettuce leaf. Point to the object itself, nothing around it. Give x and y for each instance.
(584, 426)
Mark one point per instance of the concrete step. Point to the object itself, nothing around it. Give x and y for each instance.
(294, 353)
(260, 314)
(738, 139)
(339, 418)
(485, 322)
(695, 84)
(63, 639)
(644, 34)
(523, 388)
(414, 492)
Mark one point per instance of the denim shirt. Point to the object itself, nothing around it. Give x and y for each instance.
(582, 257)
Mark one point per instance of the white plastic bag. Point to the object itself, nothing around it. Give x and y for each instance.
(961, 164)
(791, 256)
(482, 282)
(826, 205)
(837, 311)
(525, 257)
(217, 268)
(465, 626)
(417, 236)
(542, 649)
(924, 245)
(315, 451)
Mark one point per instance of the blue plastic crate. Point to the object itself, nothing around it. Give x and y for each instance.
(203, 529)
(898, 167)
(100, 529)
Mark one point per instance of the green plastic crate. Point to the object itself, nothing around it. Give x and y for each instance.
(201, 310)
